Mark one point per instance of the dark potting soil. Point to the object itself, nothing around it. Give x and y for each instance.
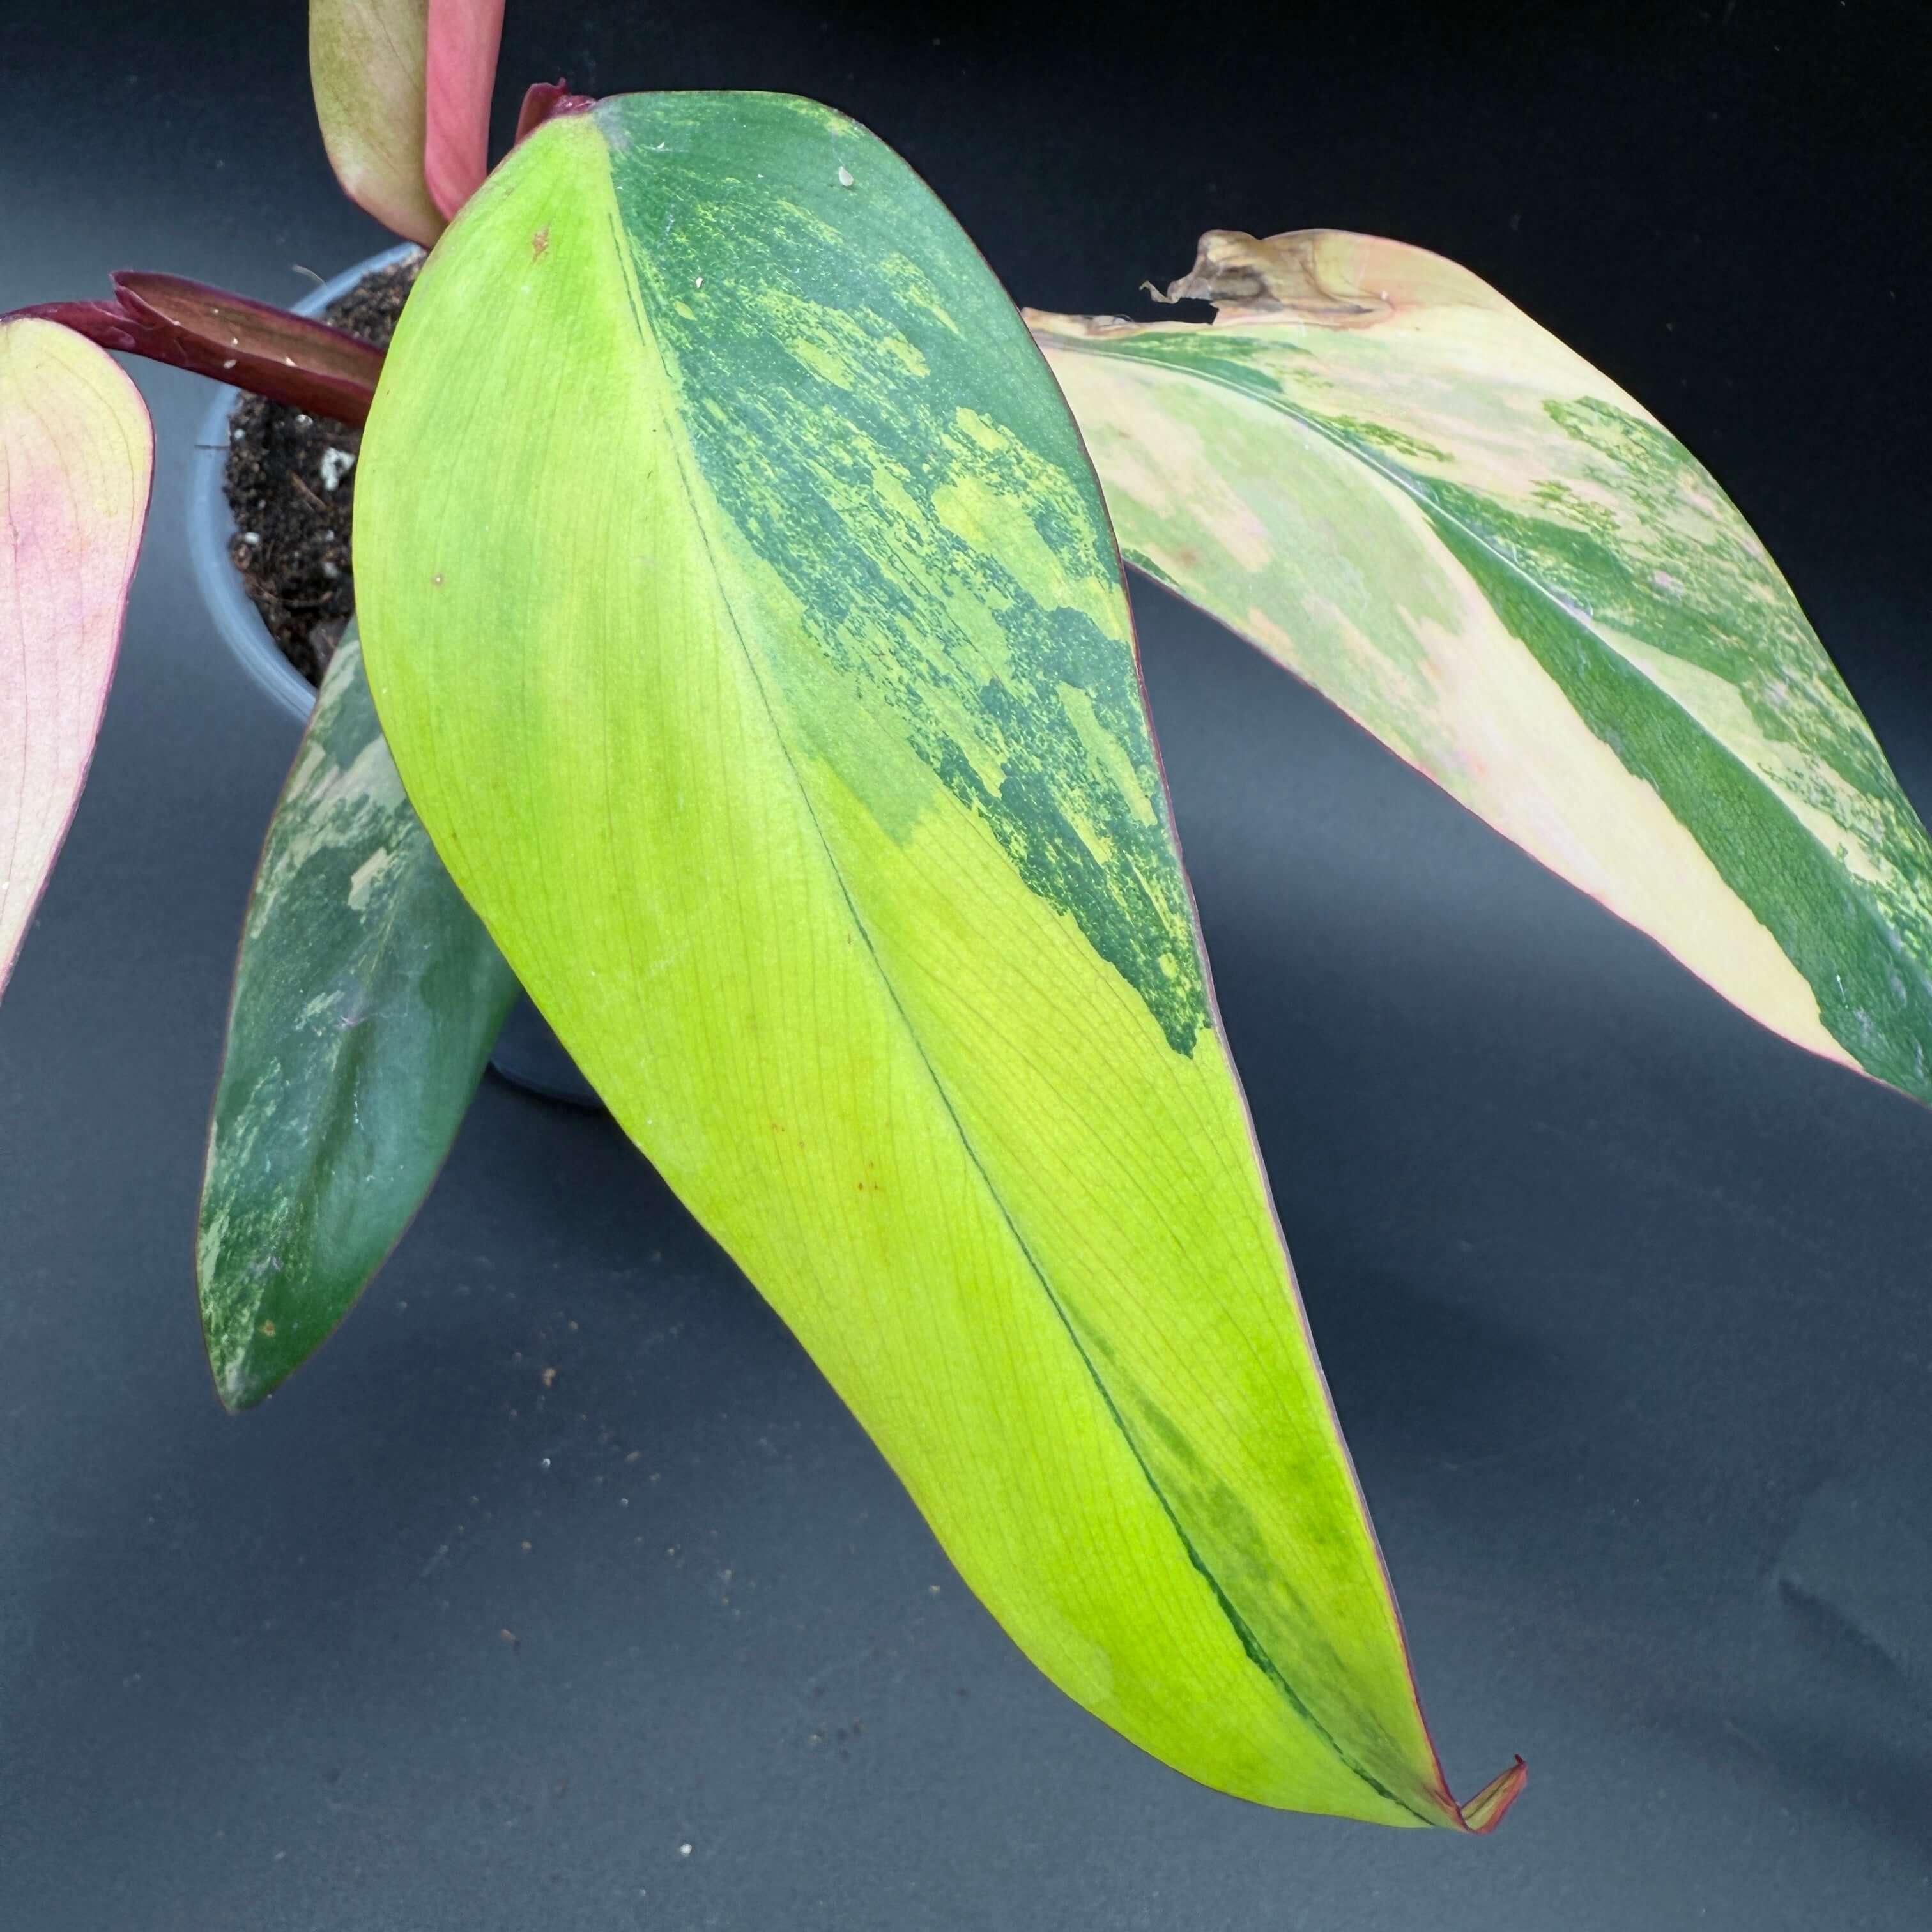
(290, 482)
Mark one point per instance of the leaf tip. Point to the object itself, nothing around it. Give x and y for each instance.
(1486, 1810)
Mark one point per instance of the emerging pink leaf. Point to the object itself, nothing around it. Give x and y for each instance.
(76, 455)
(287, 358)
(544, 100)
(459, 74)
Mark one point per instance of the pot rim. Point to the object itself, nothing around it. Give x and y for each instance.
(210, 524)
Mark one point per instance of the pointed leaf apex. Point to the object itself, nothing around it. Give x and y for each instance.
(1487, 1809)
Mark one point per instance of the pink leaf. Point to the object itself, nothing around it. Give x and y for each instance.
(461, 73)
(76, 456)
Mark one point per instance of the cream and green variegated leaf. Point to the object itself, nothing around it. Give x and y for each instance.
(366, 996)
(1399, 486)
(744, 618)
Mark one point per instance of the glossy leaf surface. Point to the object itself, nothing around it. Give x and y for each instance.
(1399, 486)
(77, 454)
(743, 615)
(368, 64)
(366, 996)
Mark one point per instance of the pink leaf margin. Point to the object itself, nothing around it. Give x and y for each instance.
(77, 466)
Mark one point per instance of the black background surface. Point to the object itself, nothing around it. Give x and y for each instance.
(1622, 1300)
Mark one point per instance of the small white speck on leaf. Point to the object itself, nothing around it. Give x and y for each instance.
(844, 175)
(699, 284)
(684, 1851)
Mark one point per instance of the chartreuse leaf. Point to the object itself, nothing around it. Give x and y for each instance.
(1396, 485)
(77, 454)
(743, 615)
(366, 998)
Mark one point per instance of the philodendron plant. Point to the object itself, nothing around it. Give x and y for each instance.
(745, 668)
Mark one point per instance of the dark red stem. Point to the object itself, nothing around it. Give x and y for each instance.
(286, 358)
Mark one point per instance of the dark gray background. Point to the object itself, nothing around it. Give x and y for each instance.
(1623, 1300)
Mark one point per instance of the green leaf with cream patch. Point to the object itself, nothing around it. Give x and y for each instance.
(1399, 486)
(743, 615)
(367, 997)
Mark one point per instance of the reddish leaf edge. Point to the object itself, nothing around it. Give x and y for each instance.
(210, 332)
(1487, 1809)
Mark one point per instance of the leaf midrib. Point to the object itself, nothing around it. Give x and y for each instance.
(1251, 1644)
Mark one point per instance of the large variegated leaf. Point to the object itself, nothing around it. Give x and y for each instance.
(77, 454)
(366, 998)
(743, 615)
(1399, 486)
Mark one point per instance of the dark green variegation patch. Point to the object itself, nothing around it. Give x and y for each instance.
(832, 435)
(367, 997)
